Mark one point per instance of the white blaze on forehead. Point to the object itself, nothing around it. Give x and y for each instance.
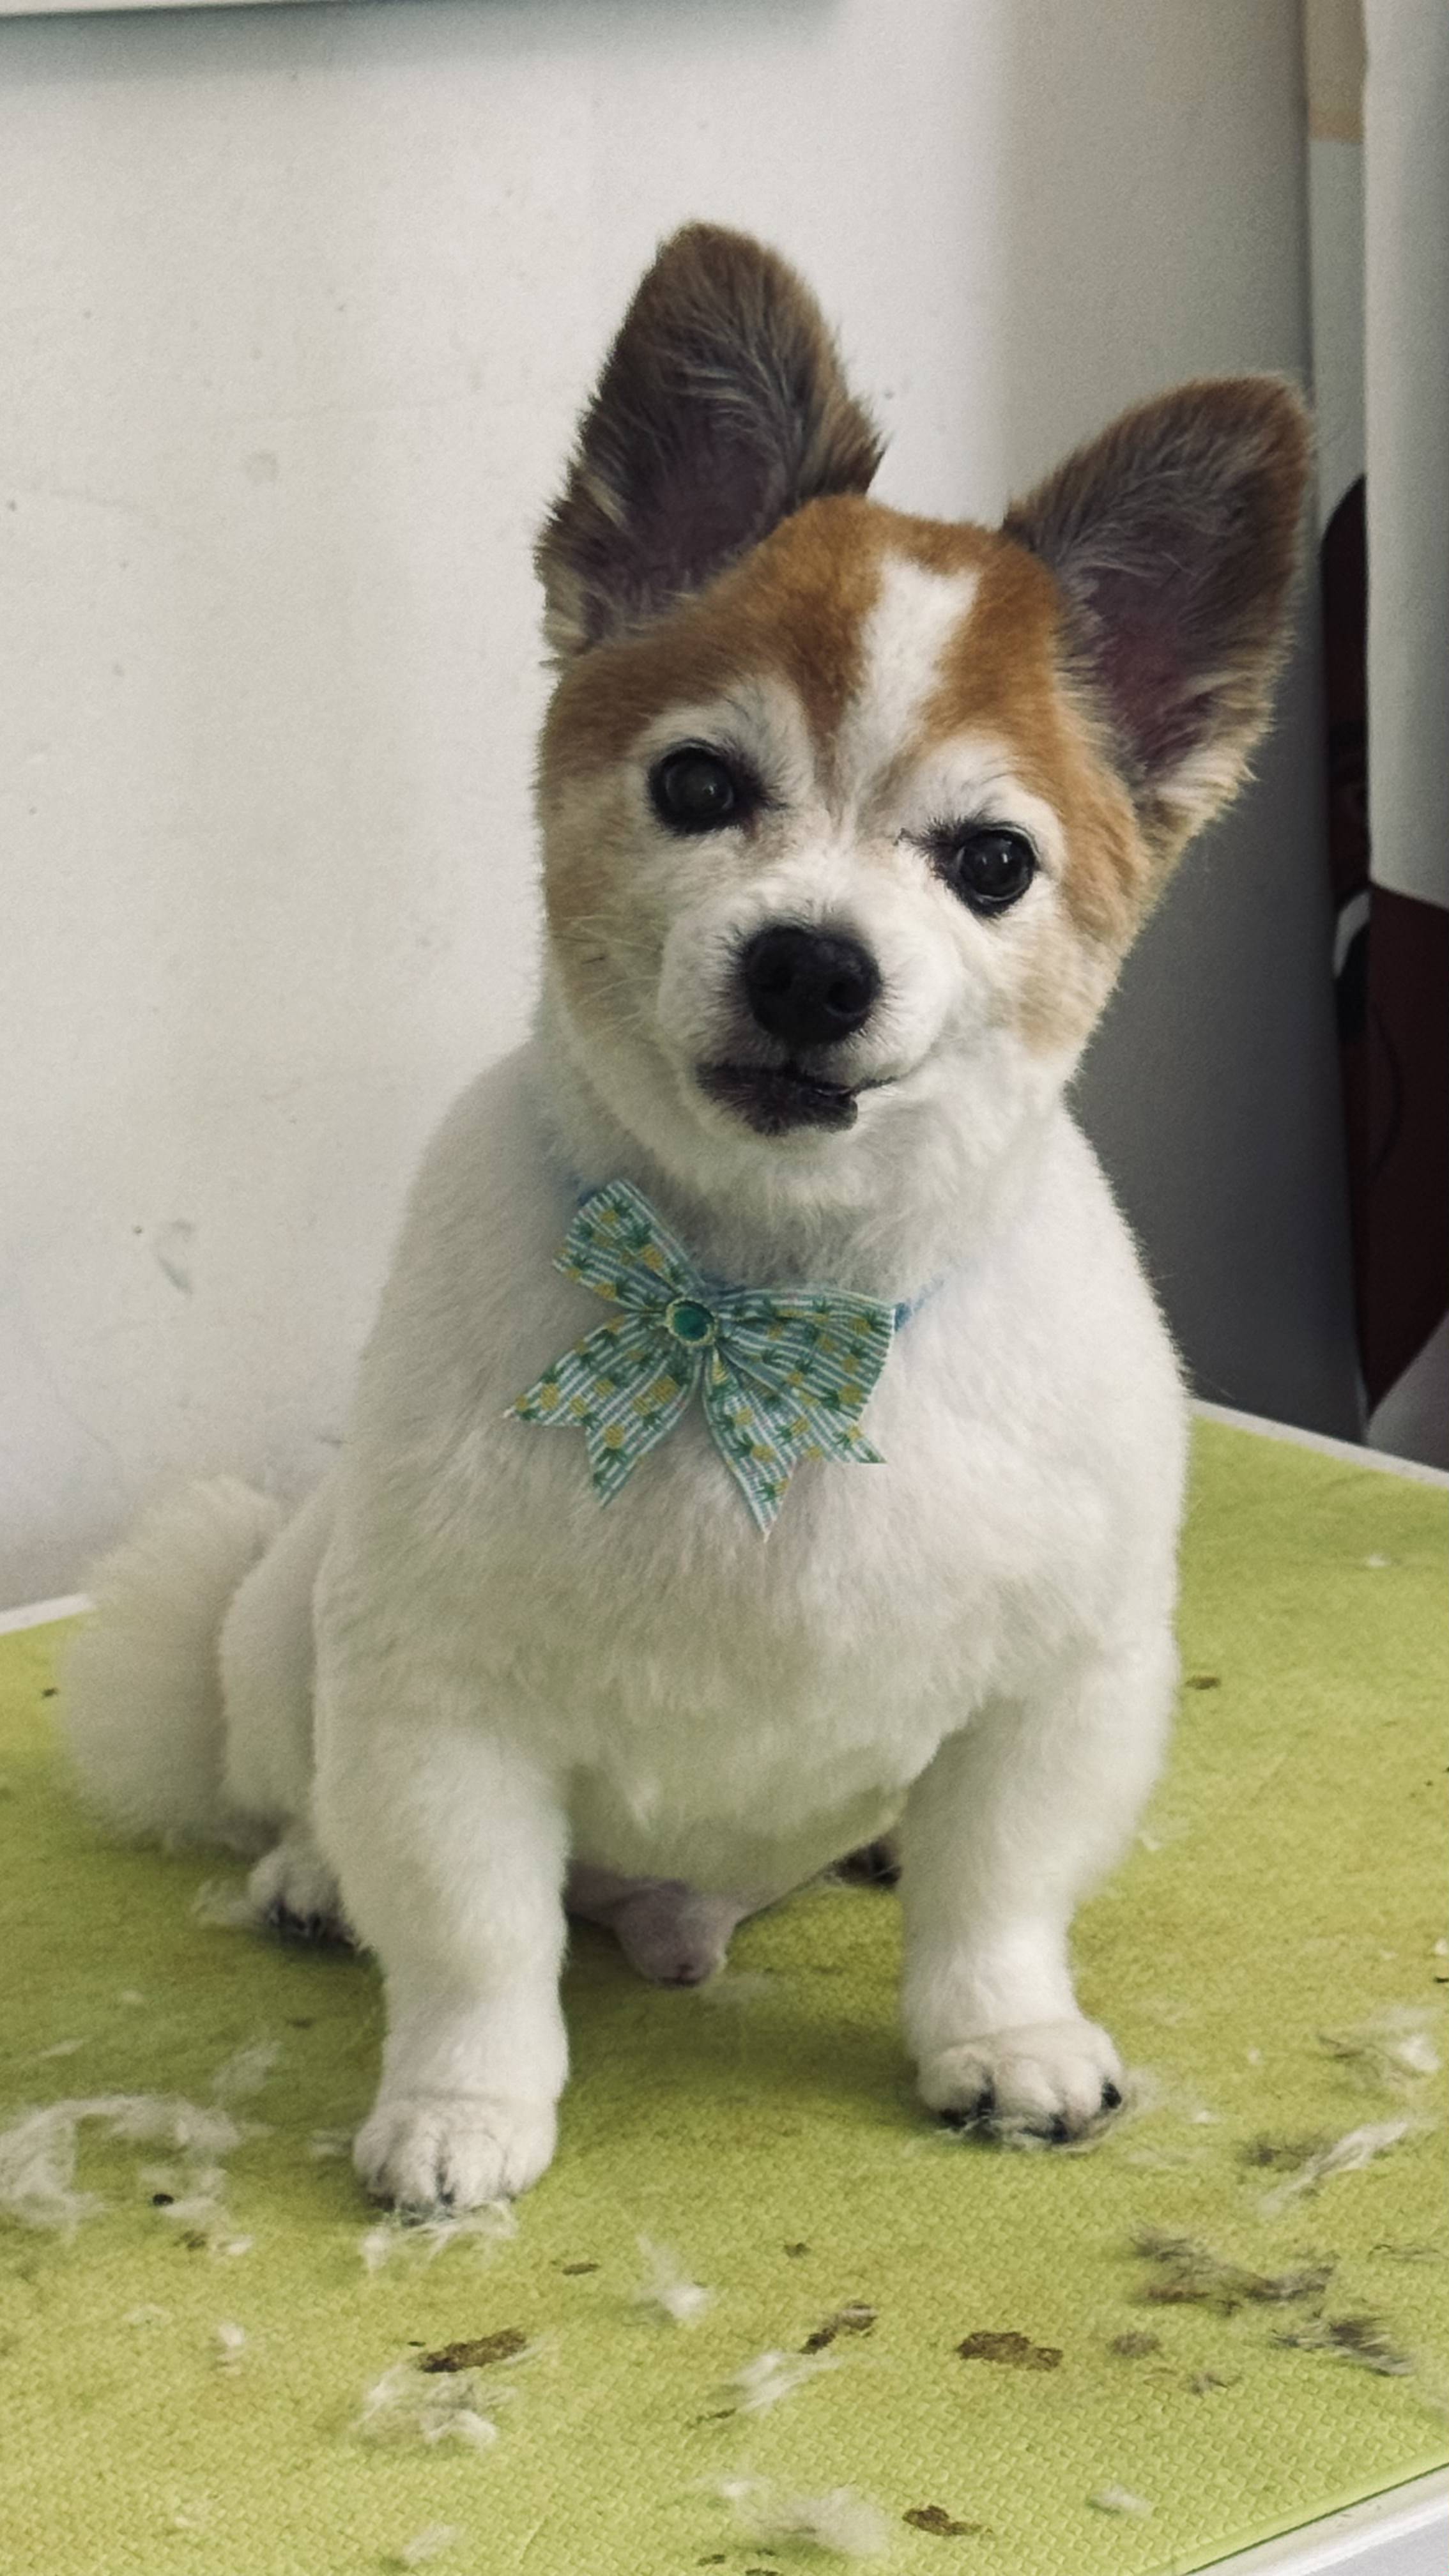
(905, 637)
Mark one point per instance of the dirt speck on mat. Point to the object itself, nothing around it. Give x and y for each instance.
(576, 2271)
(934, 2517)
(1017, 2351)
(477, 2353)
(1135, 2347)
(854, 2318)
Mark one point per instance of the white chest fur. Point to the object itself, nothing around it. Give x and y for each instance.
(701, 1696)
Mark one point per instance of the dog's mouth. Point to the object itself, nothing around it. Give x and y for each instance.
(774, 1098)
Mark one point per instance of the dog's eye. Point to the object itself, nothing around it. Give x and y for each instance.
(990, 868)
(694, 790)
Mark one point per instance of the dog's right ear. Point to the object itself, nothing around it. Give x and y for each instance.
(721, 409)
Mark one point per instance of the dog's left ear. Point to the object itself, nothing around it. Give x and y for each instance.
(1174, 538)
(721, 409)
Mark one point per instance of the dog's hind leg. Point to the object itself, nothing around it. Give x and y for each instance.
(266, 1658)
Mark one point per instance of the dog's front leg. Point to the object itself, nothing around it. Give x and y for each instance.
(1007, 1829)
(450, 1848)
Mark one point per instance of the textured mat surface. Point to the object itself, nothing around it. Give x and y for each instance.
(1287, 1885)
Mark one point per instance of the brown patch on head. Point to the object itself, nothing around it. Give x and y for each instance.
(1004, 675)
(793, 610)
(796, 611)
(1121, 637)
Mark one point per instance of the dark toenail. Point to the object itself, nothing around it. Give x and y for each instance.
(1058, 2132)
(1111, 2098)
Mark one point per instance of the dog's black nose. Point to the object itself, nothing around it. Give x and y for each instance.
(811, 988)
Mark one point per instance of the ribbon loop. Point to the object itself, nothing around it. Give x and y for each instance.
(782, 1377)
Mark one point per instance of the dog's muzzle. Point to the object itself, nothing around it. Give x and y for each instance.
(806, 990)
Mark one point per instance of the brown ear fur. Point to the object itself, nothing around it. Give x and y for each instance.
(722, 408)
(1174, 540)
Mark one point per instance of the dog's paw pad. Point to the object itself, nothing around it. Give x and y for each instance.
(308, 1929)
(1051, 2079)
(443, 2152)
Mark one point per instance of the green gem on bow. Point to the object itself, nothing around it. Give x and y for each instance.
(781, 1377)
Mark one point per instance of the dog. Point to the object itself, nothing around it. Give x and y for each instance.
(768, 1436)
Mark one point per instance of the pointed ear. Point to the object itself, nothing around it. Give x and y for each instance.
(1174, 539)
(722, 407)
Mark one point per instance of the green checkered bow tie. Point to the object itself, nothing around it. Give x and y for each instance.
(782, 1377)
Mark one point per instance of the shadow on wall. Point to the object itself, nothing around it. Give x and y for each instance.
(1211, 1089)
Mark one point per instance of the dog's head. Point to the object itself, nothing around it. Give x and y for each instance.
(849, 817)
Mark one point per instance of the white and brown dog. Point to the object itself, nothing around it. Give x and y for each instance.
(848, 819)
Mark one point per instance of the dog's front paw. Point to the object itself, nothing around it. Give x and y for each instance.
(431, 2151)
(294, 1891)
(1052, 2078)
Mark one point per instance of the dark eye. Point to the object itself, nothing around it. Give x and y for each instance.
(694, 790)
(989, 868)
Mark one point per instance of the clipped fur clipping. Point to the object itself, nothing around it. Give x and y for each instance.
(1393, 2049)
(38, 2151)
(1362, 2340)
(403, 2407)
(426, 2544)
(1114, 2499)
(224, 1905)
(1186, 2274)
(763, 2383)
(422, 2240)
(1348, 2154)
(245, 2071)
(667, 2286)
(840, 2522)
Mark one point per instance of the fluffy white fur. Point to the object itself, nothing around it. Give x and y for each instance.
(454, 1674)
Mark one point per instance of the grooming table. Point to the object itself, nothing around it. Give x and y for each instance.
(184, 2370)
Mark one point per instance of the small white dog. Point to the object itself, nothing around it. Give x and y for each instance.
(848, 819)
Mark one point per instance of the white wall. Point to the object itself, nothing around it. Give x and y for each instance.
(298, 307)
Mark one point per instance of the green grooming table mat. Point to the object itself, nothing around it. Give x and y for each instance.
(185, 2395)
